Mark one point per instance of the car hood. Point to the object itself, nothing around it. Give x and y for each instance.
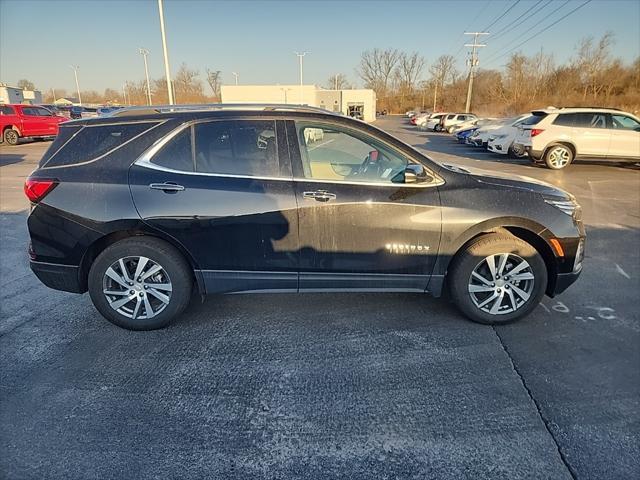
(511, 181)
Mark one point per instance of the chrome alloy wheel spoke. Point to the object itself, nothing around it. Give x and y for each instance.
(137, 287)
(501, 283)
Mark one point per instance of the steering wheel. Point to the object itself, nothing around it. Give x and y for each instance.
(370, 168)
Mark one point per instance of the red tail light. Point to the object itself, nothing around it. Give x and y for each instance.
(37, 188)
(536, 131)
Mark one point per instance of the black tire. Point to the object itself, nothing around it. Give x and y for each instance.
(158, 251)
(437, 128)
(517, 153)
(558, 156)
(472, 256)
(11, 136)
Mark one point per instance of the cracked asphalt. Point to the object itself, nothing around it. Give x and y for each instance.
(318, 386)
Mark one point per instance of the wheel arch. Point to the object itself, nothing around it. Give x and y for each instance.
(11, 127)
(527, 230)
(102, 243)
(566, 143)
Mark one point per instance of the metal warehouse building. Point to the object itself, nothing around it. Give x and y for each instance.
(360, 103)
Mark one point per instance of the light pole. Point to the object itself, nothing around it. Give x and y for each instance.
(235, 74)
(167, 71)
(75, 72)
(124, 93)
(301, 56)
(144, 52)
(285, 90)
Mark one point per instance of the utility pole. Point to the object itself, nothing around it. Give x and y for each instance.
(144, 52)
(124, 93)
(167, 71)
(473, 63)
(301, 56)
(75, 72)
(435, 89)
(235, 74)
(53, 91)
(336, 82)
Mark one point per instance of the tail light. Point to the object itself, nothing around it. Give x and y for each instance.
(37, 188)
(536, 131)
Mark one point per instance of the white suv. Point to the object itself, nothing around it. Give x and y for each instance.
(559, 136)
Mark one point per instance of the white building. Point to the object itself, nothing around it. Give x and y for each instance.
(358, 103)
(17, 95)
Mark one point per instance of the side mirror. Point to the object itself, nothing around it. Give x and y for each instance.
(415, 173)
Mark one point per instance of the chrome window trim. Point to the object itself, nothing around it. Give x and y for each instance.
(156, 122)
(145, 161)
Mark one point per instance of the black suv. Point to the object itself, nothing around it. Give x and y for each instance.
(145, 206)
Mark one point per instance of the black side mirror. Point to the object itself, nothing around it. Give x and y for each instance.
(416, 173)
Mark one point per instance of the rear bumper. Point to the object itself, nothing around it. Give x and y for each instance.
(534, 155)
(57, 276)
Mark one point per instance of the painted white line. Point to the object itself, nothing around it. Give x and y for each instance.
(320, 145)
(622, 272)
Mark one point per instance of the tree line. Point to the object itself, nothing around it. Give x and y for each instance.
(404, 81)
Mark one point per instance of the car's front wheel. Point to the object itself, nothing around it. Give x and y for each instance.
(497, 279)
(141, 283)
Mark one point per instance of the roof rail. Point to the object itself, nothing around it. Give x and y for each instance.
(156, 109)
(595, 108)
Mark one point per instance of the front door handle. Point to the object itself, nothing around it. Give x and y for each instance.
(167, 187)
(319, 195)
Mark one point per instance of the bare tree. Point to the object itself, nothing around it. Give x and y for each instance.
(187, 86)
(214, 81)
(409, 69)
(442, 70)
(338, 82)
(26, 84)
(593, 58)
(376, 67)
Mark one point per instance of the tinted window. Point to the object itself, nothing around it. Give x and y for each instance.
(329, 153)
(622, 122)
(65, 132)
(565, 120)
(590, 120)
(533, 119)
(30, 111)
(43, 112)
(94, 141)
(176, 154)
(5, 110)
(243, 147)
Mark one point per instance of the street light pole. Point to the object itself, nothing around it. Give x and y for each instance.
(167, 71)
(144, 52)
(235, 74)
(301, 56)
(75, 72)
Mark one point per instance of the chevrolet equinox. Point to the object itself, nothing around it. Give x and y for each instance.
(146, 206)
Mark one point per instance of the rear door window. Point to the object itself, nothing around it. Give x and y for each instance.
(591, 120)
(177, 153)
(237, 147)
(30, 111)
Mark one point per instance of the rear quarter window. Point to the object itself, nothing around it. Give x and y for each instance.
(76, 143)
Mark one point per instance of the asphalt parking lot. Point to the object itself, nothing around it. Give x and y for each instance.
(384, 386)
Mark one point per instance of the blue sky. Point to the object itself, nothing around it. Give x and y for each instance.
(39, 39)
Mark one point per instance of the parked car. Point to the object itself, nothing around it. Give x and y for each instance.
(52, 108)
(433, 122)
(194, 201)
(77, 112)
(502, 140)
(463, 134)
(452, 119)
(421, 119)
(480, 138)
(557, 137)
(27, 121)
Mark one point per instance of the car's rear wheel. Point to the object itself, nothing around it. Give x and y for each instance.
(558, 157)
(11, 136)
(140, 283)
(517, 151)
(497, 279)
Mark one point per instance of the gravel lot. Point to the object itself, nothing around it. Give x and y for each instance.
(324, 386)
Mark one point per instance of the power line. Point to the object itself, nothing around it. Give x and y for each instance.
(543, 30)
(530, 17)
(522, 34)
(480, 12)
(499, 17)
(508, 25)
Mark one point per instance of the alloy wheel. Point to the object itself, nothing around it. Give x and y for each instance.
(137, 287)
(501, 283)
(559, 157)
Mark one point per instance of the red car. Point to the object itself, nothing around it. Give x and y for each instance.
(27, 121)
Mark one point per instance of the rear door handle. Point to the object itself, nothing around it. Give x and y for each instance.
(319, 195)
(167, 187)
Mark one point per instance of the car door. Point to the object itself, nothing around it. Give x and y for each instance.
(223, 189)
(361, 227)
(591, 135)
(625, 137)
